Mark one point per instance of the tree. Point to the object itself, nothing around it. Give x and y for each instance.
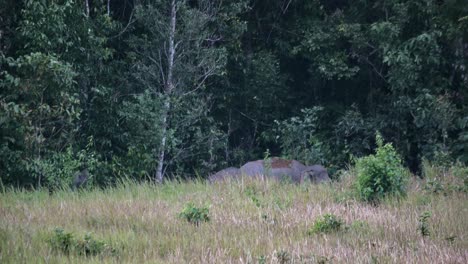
(49, 81)
(176, 53)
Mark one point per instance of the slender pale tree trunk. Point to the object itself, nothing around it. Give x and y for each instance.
(168, 88)
(87, 7)
(108, 7)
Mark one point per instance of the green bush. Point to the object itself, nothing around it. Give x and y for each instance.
(424, 223)
(328, 223)
(57, 170)
(62, 241)
(445, 179)
(381, 174)
(304, 129)
(252, 192)
(68, 243)
(194, 214)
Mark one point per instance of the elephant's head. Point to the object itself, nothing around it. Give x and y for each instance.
(315, 174)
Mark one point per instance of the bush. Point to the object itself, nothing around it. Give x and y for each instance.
(445, 179)
(194, 214)
(252, 192)
(328, 223)
(423, 225)
(381, 174)
(299, 137)
(67, 243)
(58, 169)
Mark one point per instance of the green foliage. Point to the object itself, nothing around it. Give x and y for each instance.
(58, 170)
(261, 260)
(68, 243)
(381, 174)
(359, 226)
(355, 134)
(171, 107)
(434, 186)
(445, 179)
(252, 192)
(423, 225)
(298, 137)
(194, 214)
(330, 72)
(62, 241)
(46, 83)
(328, 223)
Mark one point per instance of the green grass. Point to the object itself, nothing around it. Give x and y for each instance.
(250, 222)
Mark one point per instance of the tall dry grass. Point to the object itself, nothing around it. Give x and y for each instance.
(251, 222)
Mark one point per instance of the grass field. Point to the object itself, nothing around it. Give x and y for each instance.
(250, 222)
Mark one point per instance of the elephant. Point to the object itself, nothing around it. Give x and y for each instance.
(80, 179)
(223, 174)
(278, 168)
(281, 169)
(315, 174)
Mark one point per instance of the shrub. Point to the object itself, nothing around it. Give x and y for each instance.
(252, 192)
(381, 174)
(445, 180)
(57, 170)
(62, 241)
(194, 214)
(424, 224)
(305, 130)
(328, 223)
(67, 243)
(283, 256)
(434, 186)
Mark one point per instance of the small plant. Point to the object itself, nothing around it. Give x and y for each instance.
(194, 214)
(381, 174)
(445, 180)
(424, 224)
(328, 223)
(283, 256)
(451, 239)
(323, 260)
(359, 226)
(62, 241)
(252, 193)
(434, 186)
(282, 203)
(90, 245)
(68, 243)
(262, 259)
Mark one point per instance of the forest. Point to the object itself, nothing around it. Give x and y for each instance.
(233, 131)
(151, 90)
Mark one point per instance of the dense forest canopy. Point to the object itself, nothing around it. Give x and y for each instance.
(147, 89)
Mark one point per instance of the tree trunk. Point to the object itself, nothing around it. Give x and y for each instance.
(108, 7)
(159, 171)
(168, 87)
(87, 7)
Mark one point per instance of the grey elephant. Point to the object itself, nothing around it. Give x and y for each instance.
(80, 179)
(315, 174)
(280, 169)
(221, 175)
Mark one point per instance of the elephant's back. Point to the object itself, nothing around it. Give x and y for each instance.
(225, 173)
(253, 168)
